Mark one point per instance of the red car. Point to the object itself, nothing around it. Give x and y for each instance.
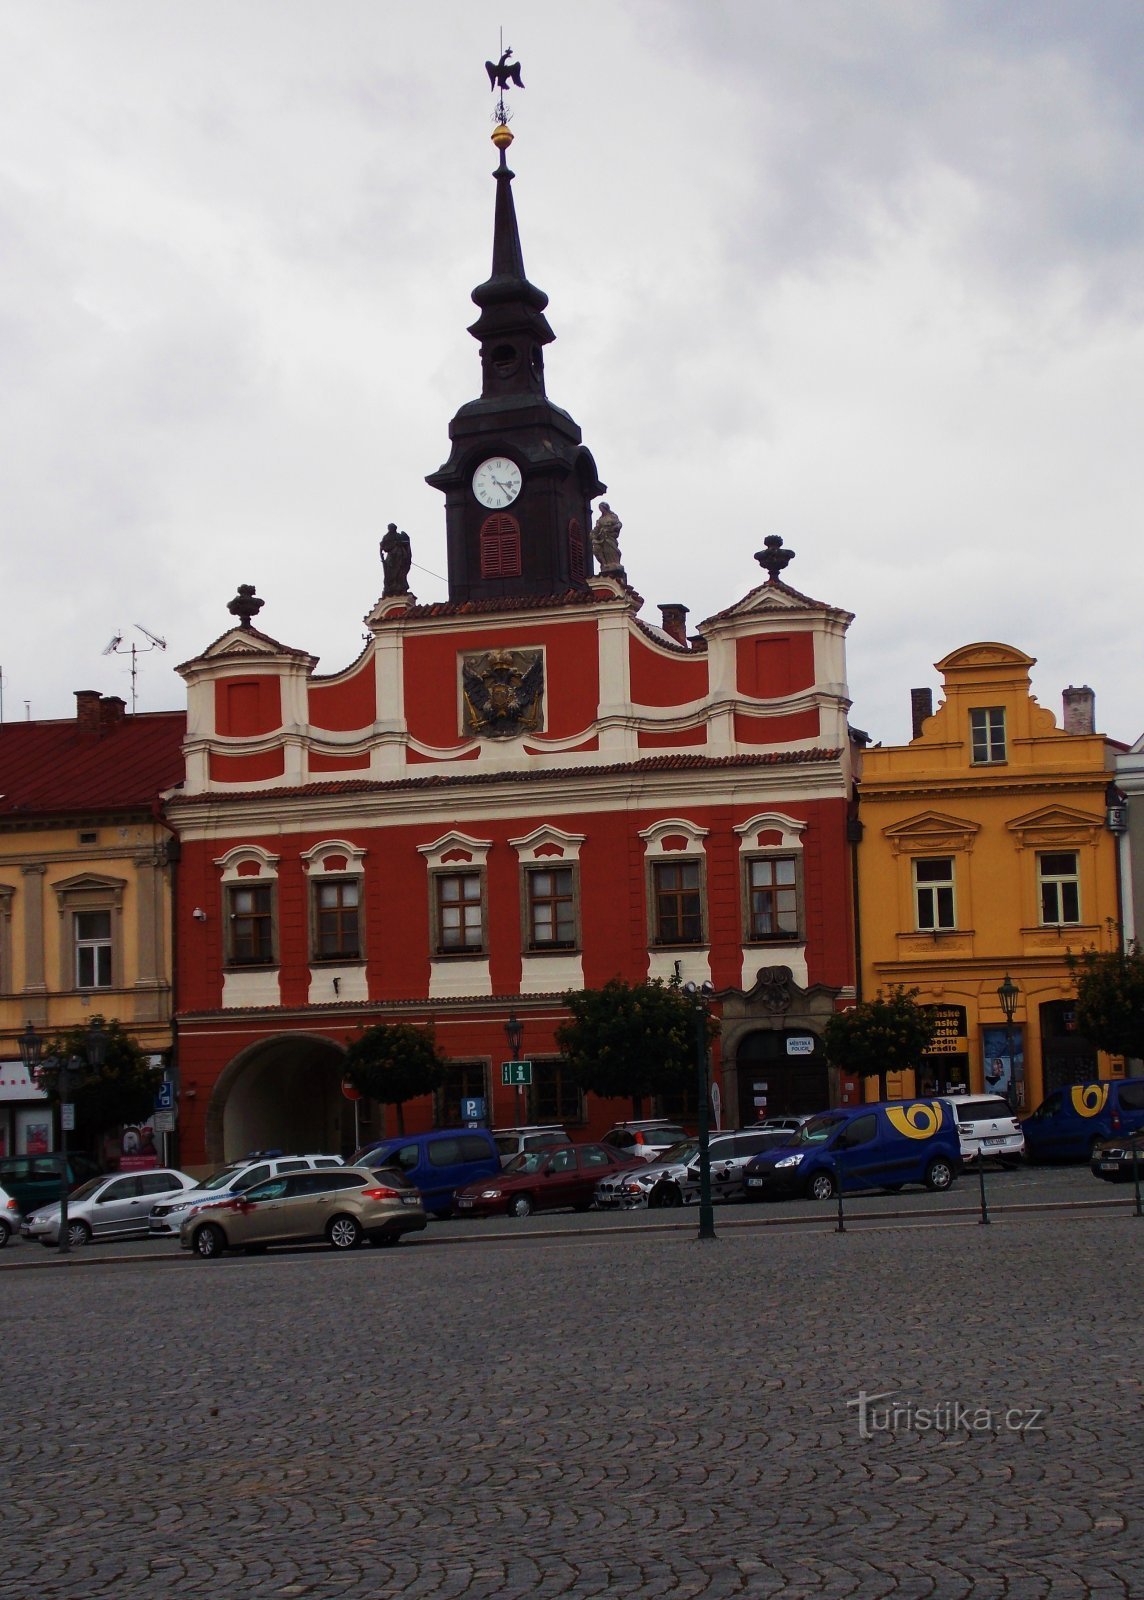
(543, 1180)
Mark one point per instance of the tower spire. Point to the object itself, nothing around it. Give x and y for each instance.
(512, 328)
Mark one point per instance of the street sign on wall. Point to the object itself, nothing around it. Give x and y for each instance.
(516, 1074)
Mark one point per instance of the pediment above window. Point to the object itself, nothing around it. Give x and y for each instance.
(547, 843)
(1056, 825)
(455, 849)
(247, 861)
(930, 833)
(334, 855)
(673, 836)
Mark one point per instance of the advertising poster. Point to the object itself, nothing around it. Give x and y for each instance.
(1000, 1074)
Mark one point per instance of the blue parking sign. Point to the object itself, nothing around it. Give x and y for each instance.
(165, 1097)
(473, 1110)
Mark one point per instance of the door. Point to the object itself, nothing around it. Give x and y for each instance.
(562, 1183)
(258, 1216)
(775, 1083)
(120, 1208)
(860, 1155)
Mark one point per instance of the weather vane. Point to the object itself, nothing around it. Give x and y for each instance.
(502, 75)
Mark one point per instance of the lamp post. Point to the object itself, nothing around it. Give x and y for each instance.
(68, 1074)
(1008, 993)
(699, 994)
(514, 1033)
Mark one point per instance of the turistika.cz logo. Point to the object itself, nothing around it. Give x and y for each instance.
(881, 1413)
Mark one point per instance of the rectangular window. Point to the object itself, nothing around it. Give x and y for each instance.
(460, 917)
(678, 916)
(464, 1080)
(251, 925)
(933, 894)
(93, 949)
(551, 908)
(772, 889)
(987, 735)
(554, 1097)
(1060, 887)
(337, 928)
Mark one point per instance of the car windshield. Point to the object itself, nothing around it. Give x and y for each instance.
(817, 1130)
(223, 1179)
(681, 1153)
(528, 1161)
(86, 1189)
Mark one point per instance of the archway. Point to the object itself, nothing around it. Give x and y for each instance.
(281, 1094)
(787, 1083)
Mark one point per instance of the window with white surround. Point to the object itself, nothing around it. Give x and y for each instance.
(933, 894)
(771, 856)
(92, 943)
(458, 913)
(676, 884)
(550, 907)
(1058, 880)
(987, 735)
(91, 932)
(250, 906)
(335, 870)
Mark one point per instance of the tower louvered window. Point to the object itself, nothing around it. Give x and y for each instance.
(500, 546)
(575, 548)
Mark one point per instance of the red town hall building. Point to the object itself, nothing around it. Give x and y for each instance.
(520, 791)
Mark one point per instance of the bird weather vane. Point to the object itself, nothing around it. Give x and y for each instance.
(502, 75)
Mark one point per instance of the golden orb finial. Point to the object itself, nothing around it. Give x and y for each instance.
(502, 136)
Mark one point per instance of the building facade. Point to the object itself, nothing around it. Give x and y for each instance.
(523, 790)
(988, 852)
(86, 884)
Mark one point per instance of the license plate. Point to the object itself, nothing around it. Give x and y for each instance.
(462, 1205)
(1110, 1166)
(411, 1200)
(754, 1183)
(995, 1141)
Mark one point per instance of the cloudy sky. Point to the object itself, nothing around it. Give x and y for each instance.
(869, 276)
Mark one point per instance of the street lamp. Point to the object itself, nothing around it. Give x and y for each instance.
(1008, 993)
(514, 1033)
(68, 1075)
(699, 994)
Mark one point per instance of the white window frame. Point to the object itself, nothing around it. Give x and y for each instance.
(1058, 882)
(984, 723)
(932, 891)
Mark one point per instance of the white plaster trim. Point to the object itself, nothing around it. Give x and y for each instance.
(694, 965)
(567, 843)
(551, 974)
(654, 836)
(477, 849)
(230, 862)
(352, 984)
(259, 988)
(772, 822)
(454, 976)
(315, 858)
(774, 955)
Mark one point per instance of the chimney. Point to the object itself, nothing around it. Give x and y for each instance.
(675, 622)
(87, 710)
(1080, 710)
(111, 712)
(921, 707)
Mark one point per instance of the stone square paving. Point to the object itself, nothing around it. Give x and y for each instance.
(594, 1414)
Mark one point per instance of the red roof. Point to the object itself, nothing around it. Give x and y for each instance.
(53, 767)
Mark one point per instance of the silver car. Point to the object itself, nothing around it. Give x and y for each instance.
(9, 1218)
(673, 1179)
(987, 1127)
(115, 1206)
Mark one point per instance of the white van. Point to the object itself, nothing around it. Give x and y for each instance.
(987, 1127)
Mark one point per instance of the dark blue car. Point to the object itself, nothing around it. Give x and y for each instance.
(878, 1146)
(1070, 1122)
(438, 1163)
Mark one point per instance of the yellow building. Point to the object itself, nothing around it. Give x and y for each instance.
(85, 888)
(986, 852)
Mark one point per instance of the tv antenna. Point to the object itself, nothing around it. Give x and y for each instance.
(118, 648)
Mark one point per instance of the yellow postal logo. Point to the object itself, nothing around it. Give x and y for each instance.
(919, 1121)
(1089, 1098)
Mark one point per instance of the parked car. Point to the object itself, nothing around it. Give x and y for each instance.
(439, 1163)
(35, 1180)
(512, 1141)
(1117, 1159)
(673, 1179)
(545, 1180)
(342, 1205)
(115, 1206)
(987, 1128)
(9, 1218)
(789, 1124)
(1069, 1123)
(644, 1139)
(878, 1146)
(167, 1217)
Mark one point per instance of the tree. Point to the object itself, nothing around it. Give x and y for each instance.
(878, 1037)
(630, 1041)
(1110, 998)
(393, 1062)
(121, 1091)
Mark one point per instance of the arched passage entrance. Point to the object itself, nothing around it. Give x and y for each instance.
(281, 1094)
(787, 1083)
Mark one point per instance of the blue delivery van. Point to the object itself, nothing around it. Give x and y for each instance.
(438, 1163)
(1070, 1121)
(879, 1146)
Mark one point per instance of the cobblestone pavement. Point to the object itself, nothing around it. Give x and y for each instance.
(621, 1414)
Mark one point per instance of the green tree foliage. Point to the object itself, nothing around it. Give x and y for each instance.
(879, 1037)
(119, 1092)
(1110, 999)
(631, 1040)
(394, 1062)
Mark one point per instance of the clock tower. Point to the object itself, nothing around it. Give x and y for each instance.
(519, 483)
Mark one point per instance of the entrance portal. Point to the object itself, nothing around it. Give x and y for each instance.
(785, 1084)
(283, 1094)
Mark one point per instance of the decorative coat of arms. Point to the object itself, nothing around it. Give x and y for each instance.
(773, 987)
(502, 693)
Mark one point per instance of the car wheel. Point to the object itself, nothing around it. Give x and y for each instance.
(520, 1206)
(821, 1186)
(5, 1233)
(78, 1234)
(208, 1241)
(672, 1196)
(344, 1233)
(939, 1175)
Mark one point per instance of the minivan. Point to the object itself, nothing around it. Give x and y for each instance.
(882, 1145)
(1070, 1122)
(437, 1163)
(35, 1180)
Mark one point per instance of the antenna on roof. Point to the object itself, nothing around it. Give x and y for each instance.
(134, 650)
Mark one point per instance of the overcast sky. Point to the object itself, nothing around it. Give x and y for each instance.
(869, 276)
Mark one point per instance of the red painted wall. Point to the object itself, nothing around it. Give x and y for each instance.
(348, 704)
(248, 706)
(771, 665)
(661, 678)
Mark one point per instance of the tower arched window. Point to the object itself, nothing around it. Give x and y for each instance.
(500, 546)
(576, 565)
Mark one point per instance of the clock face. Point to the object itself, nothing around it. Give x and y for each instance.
(496, 482)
